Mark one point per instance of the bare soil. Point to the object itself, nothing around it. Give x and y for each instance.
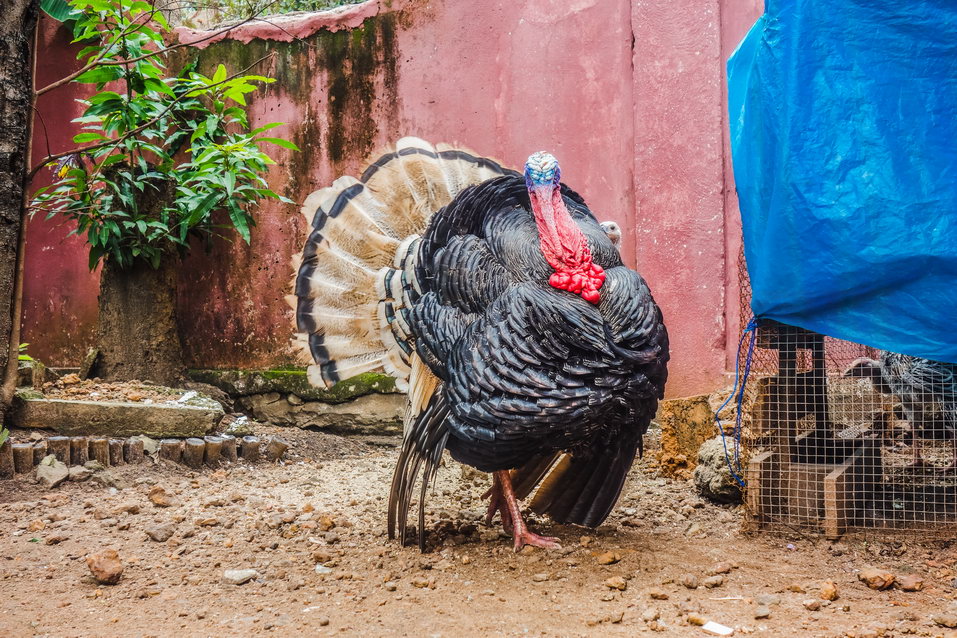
(645, 572)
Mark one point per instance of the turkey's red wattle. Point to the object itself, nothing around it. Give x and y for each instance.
(564, 246)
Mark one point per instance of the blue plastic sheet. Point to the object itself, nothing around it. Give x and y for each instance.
(843, 122)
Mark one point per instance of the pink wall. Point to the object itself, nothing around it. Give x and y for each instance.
(628, 96)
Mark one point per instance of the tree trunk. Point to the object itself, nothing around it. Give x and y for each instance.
(137, 336)
(17, 31)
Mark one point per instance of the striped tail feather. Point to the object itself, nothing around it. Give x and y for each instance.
(355, 278)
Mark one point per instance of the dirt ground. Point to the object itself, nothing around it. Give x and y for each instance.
(313, 529)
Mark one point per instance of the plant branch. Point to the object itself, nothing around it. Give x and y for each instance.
(132, 132)
(100, 62)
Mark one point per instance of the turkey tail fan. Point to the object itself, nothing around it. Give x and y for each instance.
(582, 488)
(422, 448)
(356, 275)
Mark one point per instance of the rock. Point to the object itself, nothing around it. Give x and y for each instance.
(696, 619)
(239, 576)
(876, 578)
(322, 569)
(712, 477)
(762, 611)
(540, 578)
(51, 472)
(159, 497)
(767, 599)
(616, 582)
(910, 582)
(80, 473)
(713, 581)
(812, 604)
(368, 414)
(650, 614)
(94, 465)
(420, 583)
(389, 586)
(720, 568)
(160, 533)
(91, 418)
(105, 566)
(608, 558)
(685, 424)
(326, 523)
(107, 478)
(150, 446)
(948, 620)
(657, 594)
(689, 580)
(829, 590)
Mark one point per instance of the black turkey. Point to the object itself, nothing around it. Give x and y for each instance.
(926, 389)
(528, 349)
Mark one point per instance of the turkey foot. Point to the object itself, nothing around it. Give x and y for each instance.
(497, 504)
(503, 500)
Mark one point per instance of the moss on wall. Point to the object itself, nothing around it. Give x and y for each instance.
(293, 381)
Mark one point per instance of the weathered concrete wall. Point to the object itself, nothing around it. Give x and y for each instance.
(627, 95)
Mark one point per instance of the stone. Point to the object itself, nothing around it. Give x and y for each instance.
(239, 576)
(539, 578)
(910, 582)
(720, 568)
(685, 424)
(876, 578)
(650, 614)
(105, 566)
(293, 382)
(91, 418)
(159, 497)
(80, 473)
(107, 478)
(767, 599)
(150, 445)
(812, 604)
(94, 466)
(657, 594)
(51, 472)
(608, 558)
(762, 611)
(829, 590)
(616, 582)
(713, 581)
(948, 620)
(160, 533)
(696, 619)
(689, 580)
(379, 414)
(712, 477)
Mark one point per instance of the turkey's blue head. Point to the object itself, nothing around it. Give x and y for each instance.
(561, 240)
(542, 171)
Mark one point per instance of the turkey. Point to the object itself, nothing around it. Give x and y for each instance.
(926, 389)
(528, 350)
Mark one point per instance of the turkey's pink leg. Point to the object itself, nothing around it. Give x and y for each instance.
(497, 504)
(520, 533)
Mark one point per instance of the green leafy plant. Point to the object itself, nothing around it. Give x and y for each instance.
(22, 350)
(163, 157)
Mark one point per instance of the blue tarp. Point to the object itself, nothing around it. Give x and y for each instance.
(843, 122)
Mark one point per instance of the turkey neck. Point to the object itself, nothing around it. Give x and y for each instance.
(562, 242)
(564, 245)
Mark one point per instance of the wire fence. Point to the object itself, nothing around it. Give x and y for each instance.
(838, 437)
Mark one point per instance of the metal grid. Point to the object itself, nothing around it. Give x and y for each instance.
(842, 438)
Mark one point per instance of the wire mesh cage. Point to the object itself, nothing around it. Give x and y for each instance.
(843, 438)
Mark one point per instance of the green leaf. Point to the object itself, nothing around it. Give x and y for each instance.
(59, 10)
(101, 75)
(83, 138)
(278, 142)
(219, 75)
(266, 127)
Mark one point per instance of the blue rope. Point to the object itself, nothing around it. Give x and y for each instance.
(749, 330)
